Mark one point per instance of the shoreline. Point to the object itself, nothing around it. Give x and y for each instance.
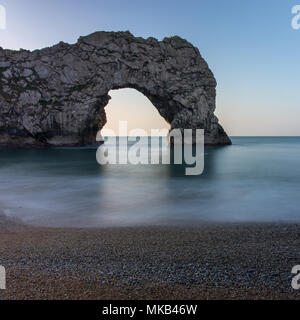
(211, 261)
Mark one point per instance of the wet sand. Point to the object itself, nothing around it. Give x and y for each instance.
(228, 261)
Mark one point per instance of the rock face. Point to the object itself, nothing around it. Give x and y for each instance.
(56, 96)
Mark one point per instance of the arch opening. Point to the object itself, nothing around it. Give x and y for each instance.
(132, 106)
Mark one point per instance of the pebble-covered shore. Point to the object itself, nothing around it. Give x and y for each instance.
(229, 261)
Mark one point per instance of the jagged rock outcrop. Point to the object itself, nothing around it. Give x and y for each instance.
(57, 95)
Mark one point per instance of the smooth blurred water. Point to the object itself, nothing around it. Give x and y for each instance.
(255, 179)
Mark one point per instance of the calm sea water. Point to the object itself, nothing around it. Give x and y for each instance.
(255, 179)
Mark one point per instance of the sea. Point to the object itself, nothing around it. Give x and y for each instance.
(256, 179)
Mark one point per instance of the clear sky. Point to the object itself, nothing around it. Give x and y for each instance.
(249, 45)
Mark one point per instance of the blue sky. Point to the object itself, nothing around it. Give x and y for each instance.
(249, 45)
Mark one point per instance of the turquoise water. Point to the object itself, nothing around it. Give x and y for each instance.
(256, 179)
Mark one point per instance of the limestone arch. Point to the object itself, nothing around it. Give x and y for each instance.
(56, 96)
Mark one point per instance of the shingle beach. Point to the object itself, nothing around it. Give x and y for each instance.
(209, 261)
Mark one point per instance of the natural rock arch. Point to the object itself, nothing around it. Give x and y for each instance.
(57, 95)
